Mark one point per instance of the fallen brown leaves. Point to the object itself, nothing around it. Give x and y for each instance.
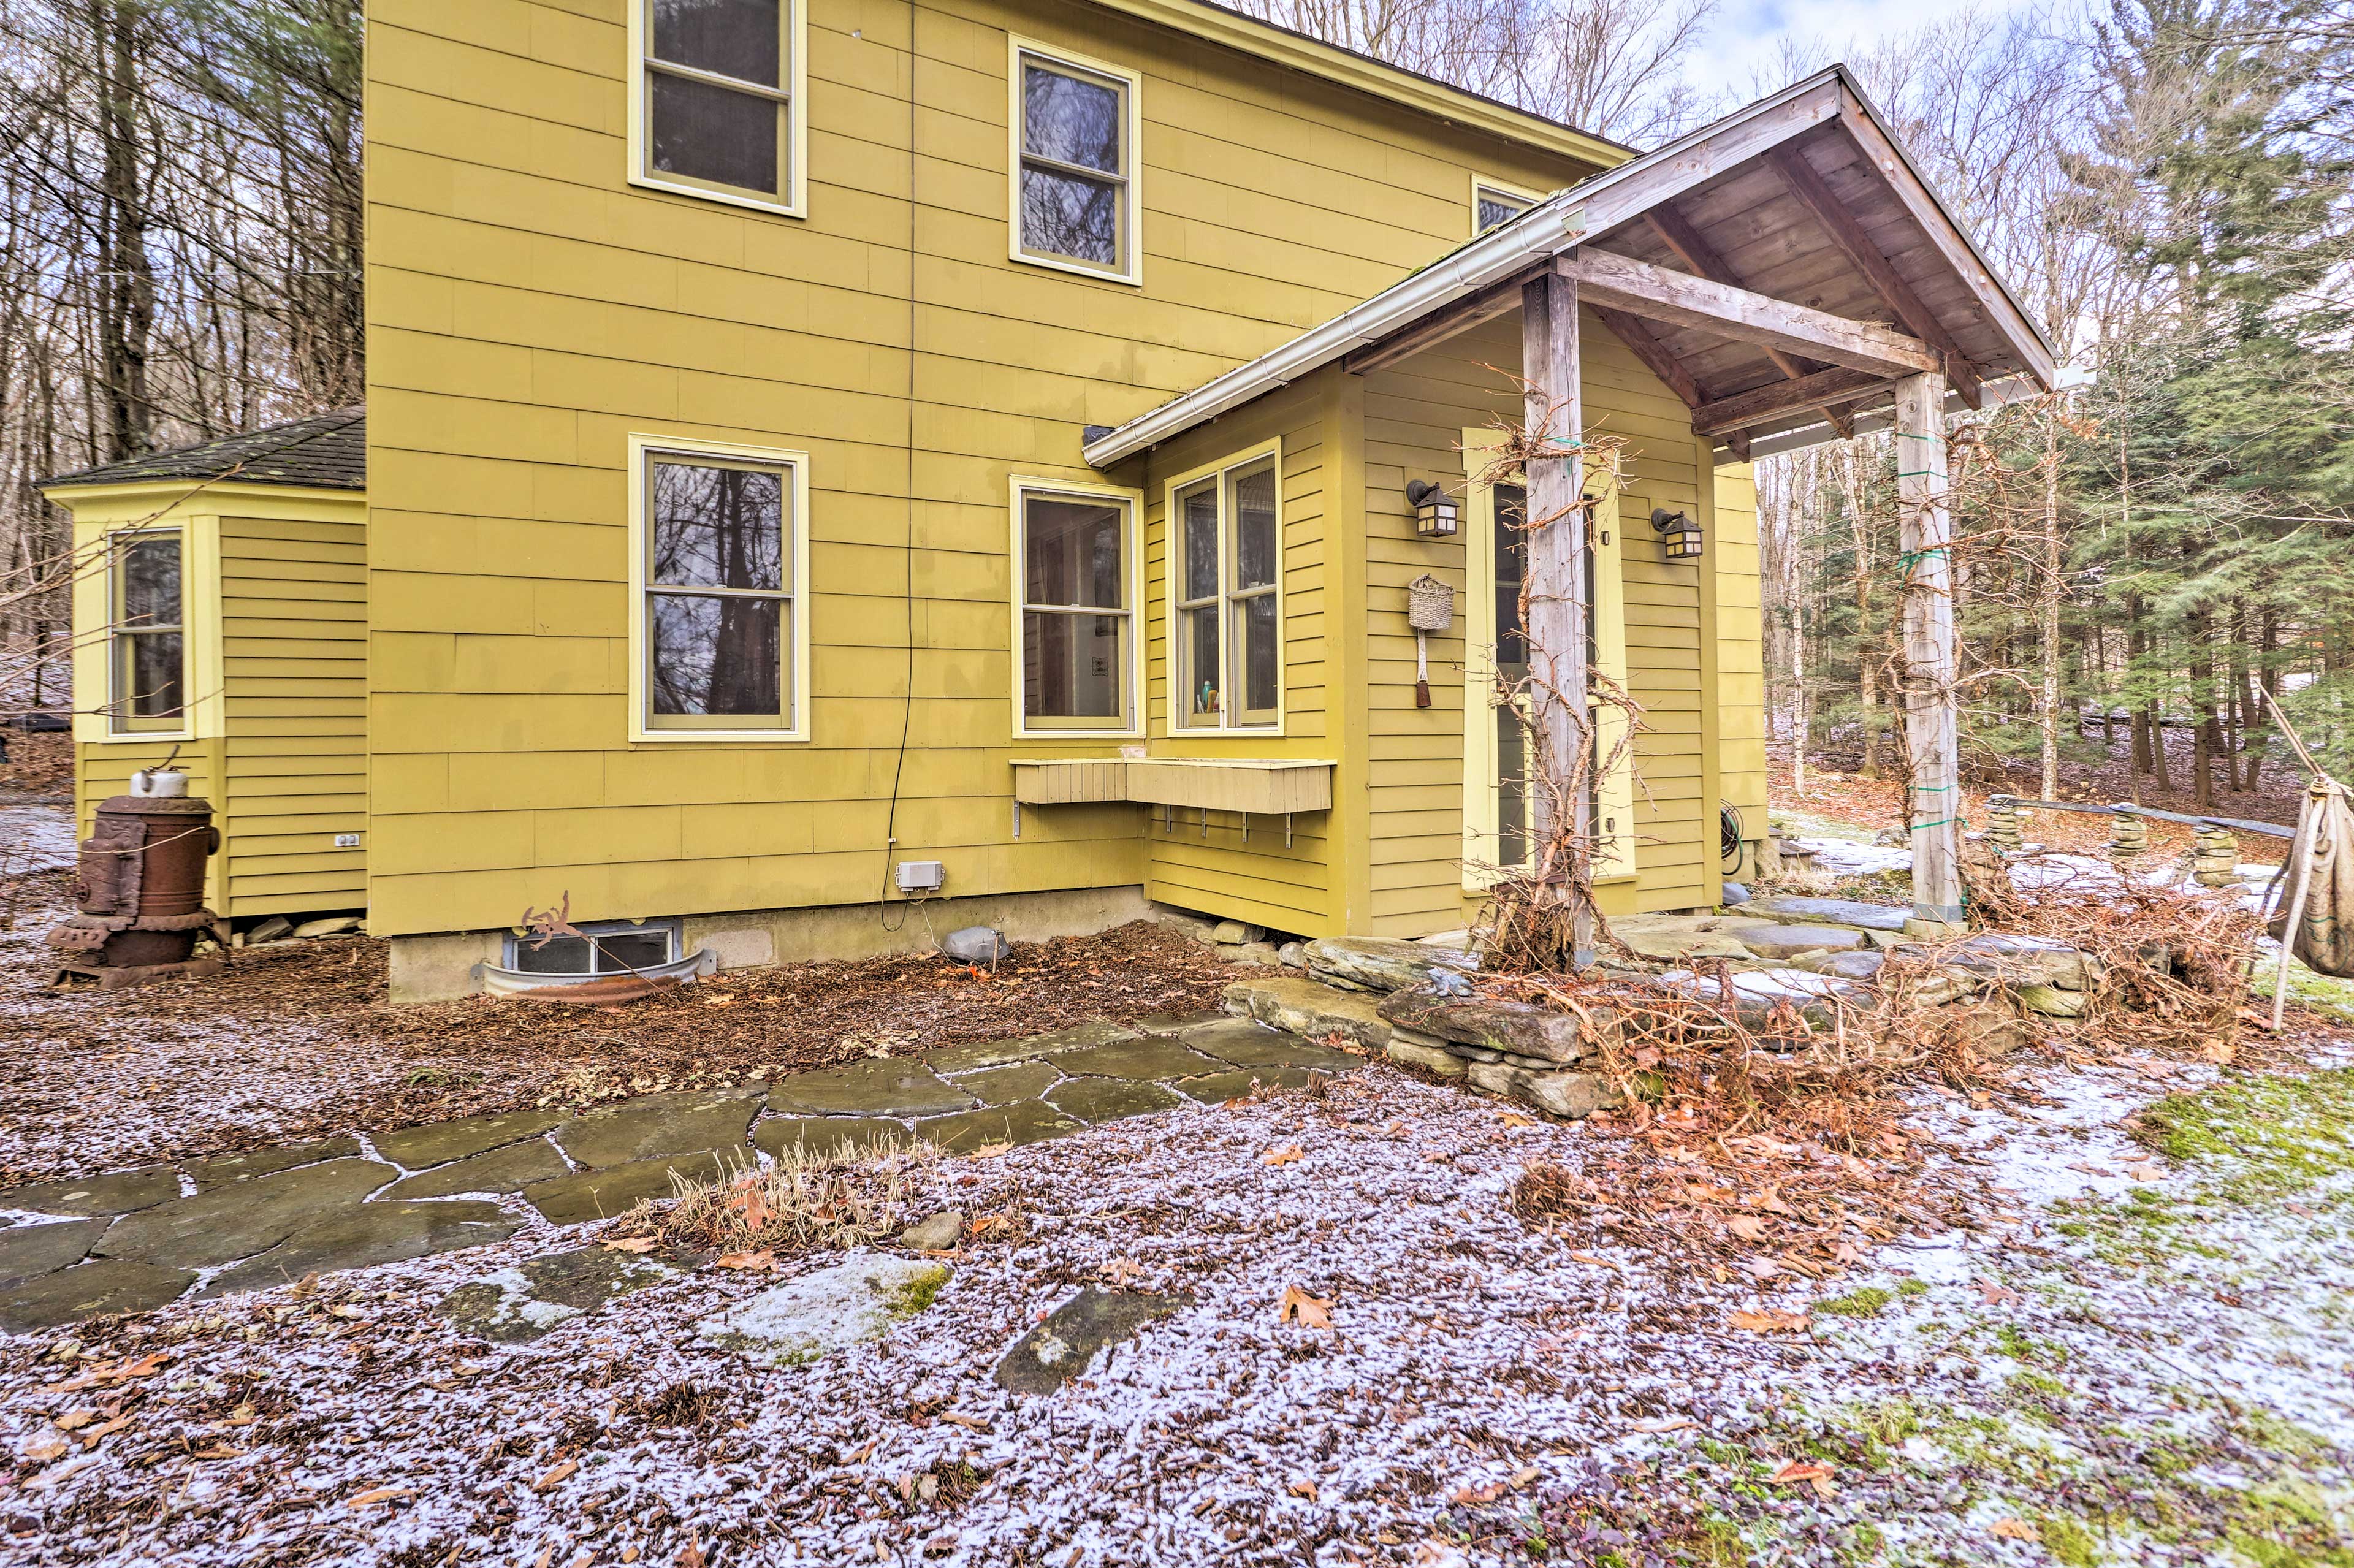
(1307, 1312)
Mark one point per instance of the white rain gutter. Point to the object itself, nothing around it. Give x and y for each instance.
(1543, 232)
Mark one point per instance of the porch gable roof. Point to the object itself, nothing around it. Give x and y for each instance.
(1802, 207)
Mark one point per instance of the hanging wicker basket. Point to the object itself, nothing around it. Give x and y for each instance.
(1429, 604)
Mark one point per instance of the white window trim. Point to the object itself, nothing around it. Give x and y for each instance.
(794, 201)
(1173, 556)
(1132, 546)
(1480, 183)
(643, 444)
(1132, 135)
(117, 545)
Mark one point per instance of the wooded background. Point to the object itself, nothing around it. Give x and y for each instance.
(2164, 182)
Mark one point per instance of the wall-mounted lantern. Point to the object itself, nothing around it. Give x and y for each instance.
(1679, 535)
(1436, 514)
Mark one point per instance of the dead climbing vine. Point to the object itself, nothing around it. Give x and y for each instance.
(1534, 909)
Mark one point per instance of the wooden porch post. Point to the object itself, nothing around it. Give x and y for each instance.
(1931, 727)
(1556, 577)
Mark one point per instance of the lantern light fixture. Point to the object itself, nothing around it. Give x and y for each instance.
(1679, 535)
(1436, 515)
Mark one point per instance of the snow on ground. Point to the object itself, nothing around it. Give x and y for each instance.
(1486, 1393)
(36, 838)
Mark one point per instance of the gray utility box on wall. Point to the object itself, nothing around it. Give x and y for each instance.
(922, 876)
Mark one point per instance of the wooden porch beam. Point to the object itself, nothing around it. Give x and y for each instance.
(1499, 298)
(1931, 718)
(1702, 258)
(1798, 176)
(1759, 404)
(1659, 294)
(1654, 355)
(1699, 255)
(1884, 156)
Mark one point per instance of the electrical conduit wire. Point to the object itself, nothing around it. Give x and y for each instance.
(907, 699)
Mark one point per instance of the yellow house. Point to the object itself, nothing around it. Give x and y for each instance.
(828, 455)
(220, 620)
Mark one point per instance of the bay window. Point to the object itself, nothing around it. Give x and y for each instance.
(147, 675)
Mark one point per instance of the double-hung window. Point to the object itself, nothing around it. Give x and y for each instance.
(717, 106)
(1073, 157)
(1492, 204)
(721, 633)
(1226, 598)
(148, 644)
(1076, 623)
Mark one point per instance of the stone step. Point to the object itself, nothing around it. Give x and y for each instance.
(1830, 912)
(1381, 964)
(1302, 1006)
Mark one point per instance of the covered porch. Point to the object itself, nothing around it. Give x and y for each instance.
(1780, 277)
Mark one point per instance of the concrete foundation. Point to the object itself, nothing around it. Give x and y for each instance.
(444, 967)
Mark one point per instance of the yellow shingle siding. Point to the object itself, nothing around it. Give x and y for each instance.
(529, 310)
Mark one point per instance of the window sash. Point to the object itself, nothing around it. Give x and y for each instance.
(1225, 611)
(786, 194)
(649, 591)
(1120, 178)
(1122, 721)
(123, 646)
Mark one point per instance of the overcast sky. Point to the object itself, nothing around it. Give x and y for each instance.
(1745, 36)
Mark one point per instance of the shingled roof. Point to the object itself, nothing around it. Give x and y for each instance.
(324, 451)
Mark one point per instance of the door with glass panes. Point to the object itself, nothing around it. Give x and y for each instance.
(1497, 796)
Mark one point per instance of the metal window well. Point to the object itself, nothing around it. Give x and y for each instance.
(623, 952)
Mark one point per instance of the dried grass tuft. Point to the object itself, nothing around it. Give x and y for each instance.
(800, 1201)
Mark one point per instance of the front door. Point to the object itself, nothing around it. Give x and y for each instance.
(1496, 786)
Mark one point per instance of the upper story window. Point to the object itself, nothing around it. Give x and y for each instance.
(719, 555)
(717, 107)
(147, 675)
(1226, 596)
(1073, 159)
(1492, 204)
(1075, 562)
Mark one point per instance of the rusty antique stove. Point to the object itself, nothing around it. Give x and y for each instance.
(140, 888)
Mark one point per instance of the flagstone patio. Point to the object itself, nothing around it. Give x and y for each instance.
(133, 1240)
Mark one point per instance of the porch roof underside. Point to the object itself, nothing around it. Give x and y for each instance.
(1803, 199)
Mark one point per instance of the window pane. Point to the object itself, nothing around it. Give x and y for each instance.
(620, 950)
(562, 956)
(717, 656)
(1511, 557)
(741, 38)
(154, 675)
(1511, 788)
(1071, 551)
(151, 582)
(1069, 120)
(1200, 631)
(1066, 216)
(1201, 519)
(1495, 210)
(1261, 648)
(717, 527)
(1074, 665)
(707, 133)
(1255, 530)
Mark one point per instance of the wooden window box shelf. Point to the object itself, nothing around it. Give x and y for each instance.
(1262, 787)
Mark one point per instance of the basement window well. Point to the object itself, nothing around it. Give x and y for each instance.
(620, 947)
